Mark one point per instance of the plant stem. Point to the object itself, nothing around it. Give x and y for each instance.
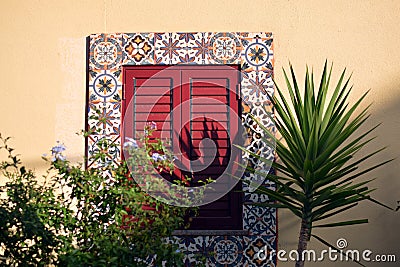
(304, 237)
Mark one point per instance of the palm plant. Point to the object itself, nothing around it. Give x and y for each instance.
(317, 175)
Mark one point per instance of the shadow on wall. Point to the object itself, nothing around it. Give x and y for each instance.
(386, 223)
(381, 234)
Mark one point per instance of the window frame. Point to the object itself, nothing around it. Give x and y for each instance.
(235, 196)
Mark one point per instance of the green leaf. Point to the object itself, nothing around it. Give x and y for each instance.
(344, 223)
(335, 212)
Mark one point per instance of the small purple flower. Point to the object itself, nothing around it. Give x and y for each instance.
(58, 157)
(153, 125)
(58, 148)
(157, 157)
(56, 152)
(130, 143)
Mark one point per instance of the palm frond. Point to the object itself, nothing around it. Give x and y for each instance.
(317, 153)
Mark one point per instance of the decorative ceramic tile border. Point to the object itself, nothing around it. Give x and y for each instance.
(254, 52)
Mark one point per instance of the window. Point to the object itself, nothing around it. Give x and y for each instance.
(190, 103)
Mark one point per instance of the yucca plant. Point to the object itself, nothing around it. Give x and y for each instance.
(317, 166)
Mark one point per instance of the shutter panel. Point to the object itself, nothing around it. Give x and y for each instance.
(202, 100)
(152, 99)
(212, 93)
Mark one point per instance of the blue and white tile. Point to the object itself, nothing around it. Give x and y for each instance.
(170, 48)
(257, 53)
(105, 51)
(198, 48)
(104, 117)
(95, 146)
(104, 85)
(226, 251)
(255, 88)
(259, 220)
(224, 48)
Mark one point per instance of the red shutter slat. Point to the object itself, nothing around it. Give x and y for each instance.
(200, 134)
(208, 91)
(210, 108)
(150, 80)
(159, 108)
(199, 99)
(209, 82)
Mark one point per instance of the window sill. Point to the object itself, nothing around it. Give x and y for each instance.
(210, 232)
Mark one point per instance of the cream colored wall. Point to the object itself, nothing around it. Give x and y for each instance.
(42, 74)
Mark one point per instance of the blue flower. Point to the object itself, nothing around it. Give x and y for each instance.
(58, 157)
(56, 152)
(58, 148)
(130, 143)
(157, 157)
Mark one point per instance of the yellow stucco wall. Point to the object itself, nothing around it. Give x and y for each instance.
(42, 74)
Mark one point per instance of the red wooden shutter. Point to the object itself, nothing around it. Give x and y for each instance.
(202, 98)
(152, 98)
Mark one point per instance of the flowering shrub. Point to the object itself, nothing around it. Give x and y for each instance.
(30, 215)
(90, 217)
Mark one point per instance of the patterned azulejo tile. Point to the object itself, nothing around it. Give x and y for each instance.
(105, 85)
(182, 48)
(257, 53)
(250, 196)
(256, 87)
(216, 250)
(224, 48)
(263, 114)
(104, 117)
(256, 144)
(198, 48)
(138, 48)
(171, 48)
(259, 220)
(226, 251)
(194, 248)
(105, 51)
(257, 67)
(259, 251)
(95, 144)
